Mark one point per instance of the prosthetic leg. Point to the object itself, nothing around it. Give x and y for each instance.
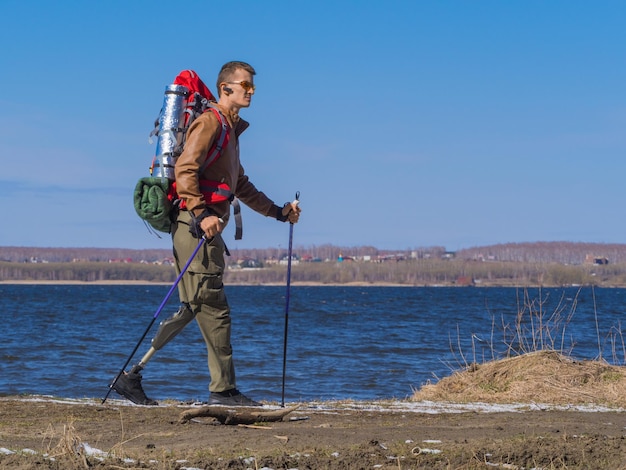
(129, 384)
(168, 329)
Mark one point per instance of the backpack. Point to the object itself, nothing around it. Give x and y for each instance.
(155, 198)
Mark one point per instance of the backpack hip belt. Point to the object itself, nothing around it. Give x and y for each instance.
(214, 192)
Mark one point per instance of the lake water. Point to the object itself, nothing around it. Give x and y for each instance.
(343, 342)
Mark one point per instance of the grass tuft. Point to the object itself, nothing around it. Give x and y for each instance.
(532, 364)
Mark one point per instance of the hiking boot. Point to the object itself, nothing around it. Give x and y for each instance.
(129, 386)
(231, 397)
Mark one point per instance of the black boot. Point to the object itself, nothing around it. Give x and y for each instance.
(231, 398)
(129, 386)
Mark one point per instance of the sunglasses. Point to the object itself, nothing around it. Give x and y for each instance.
(247, 86)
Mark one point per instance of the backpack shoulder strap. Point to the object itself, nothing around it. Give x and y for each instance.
(222, 141)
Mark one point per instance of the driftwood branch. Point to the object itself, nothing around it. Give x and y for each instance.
(226, 416)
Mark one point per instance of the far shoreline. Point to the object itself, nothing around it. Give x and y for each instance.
(149, 283)
(481, 285)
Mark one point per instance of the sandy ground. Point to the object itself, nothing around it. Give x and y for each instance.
(46, 433)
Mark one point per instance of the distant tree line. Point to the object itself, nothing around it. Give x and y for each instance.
(535, 252)
(546, 252)
(88, 271)
(412, 272)
(66, 255)
(322, 252)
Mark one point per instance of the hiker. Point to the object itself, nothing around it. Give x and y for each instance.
(201, 289)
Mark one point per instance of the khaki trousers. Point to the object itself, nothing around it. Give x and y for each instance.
(201, 286)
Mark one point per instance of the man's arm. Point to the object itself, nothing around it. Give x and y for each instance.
(259, 202)
(200, 137)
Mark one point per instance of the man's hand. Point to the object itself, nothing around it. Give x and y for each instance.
(206, 225)
(292, 212)
(212, 225)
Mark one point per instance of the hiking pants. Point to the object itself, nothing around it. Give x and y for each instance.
(202, 287)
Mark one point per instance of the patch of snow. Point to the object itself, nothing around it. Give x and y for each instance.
(429, 407)
(425, 450)
(92, 451)
(432, 407)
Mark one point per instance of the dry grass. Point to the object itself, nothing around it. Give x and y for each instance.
(532, 364)
(536, 377)
(69, 451)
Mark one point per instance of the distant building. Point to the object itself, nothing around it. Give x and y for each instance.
(596, 260)
(285, 260)
(465, 281)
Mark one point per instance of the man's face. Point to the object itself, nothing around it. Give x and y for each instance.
(242, 84)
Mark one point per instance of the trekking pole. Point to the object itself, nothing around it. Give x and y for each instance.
(167, 297)
(282, 401)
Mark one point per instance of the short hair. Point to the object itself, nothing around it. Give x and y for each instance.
(229, 68)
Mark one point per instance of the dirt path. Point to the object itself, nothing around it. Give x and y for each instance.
(327, 436)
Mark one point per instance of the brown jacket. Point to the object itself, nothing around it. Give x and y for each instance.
(227, 168)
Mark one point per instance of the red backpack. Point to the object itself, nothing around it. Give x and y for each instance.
(185, 99)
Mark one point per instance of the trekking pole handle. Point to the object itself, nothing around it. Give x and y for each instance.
(296, 201)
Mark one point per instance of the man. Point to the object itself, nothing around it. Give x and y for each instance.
(201, 290)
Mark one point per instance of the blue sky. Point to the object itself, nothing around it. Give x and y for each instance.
(403, 124)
